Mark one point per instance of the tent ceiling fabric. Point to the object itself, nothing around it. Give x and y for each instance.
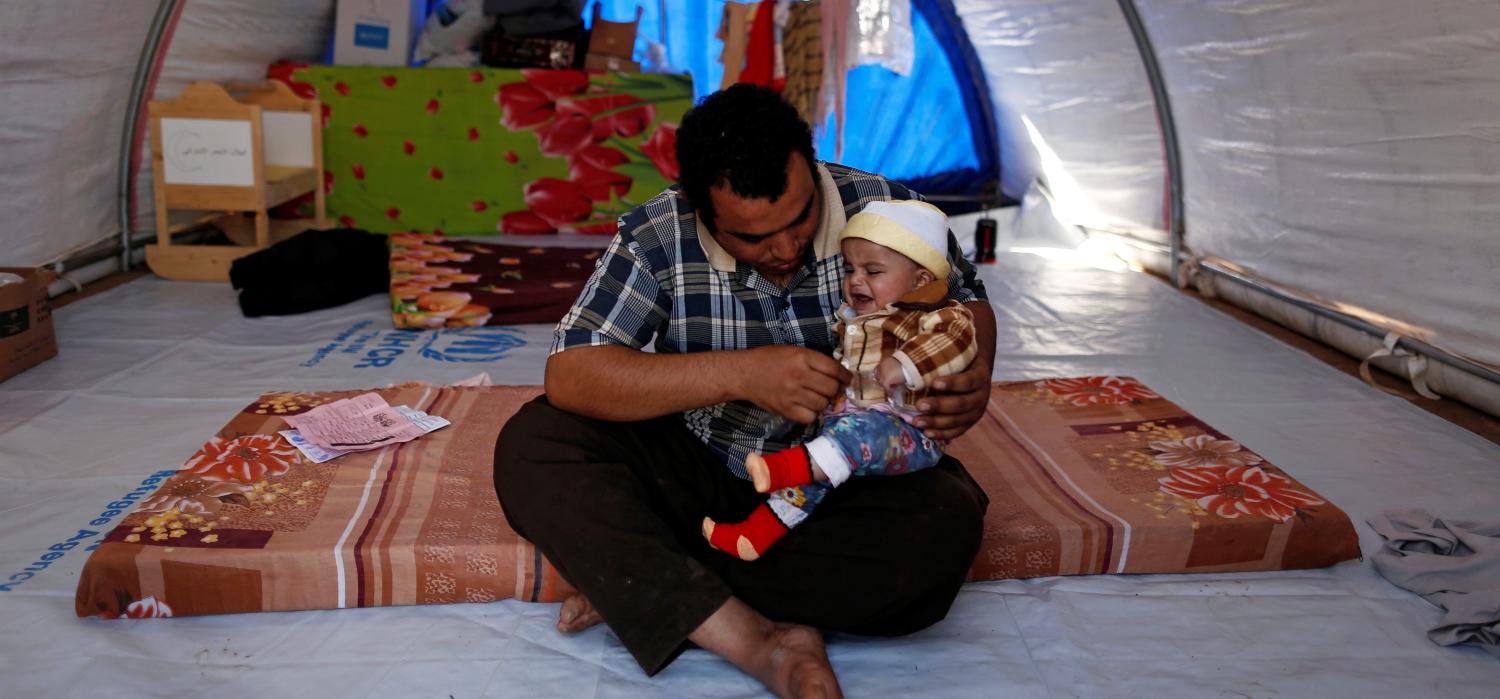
(65, 72)
(1070, 69)
(1349, 149)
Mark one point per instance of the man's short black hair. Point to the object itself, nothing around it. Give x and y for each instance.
(742, 136)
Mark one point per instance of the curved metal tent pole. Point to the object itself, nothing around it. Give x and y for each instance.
(143, 67)
(1175, 225)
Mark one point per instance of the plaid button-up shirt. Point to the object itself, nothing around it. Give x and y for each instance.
(664, 277)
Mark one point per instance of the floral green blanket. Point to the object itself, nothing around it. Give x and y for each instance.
(474, 151)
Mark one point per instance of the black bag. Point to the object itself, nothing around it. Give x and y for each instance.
(312, 270)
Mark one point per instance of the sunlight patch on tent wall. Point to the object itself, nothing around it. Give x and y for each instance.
(1070, 203)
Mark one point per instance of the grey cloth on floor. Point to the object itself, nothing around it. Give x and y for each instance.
(1454, 565)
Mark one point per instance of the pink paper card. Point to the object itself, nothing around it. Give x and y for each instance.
(355, 424)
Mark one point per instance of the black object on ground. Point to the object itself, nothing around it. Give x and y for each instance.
(311, 271)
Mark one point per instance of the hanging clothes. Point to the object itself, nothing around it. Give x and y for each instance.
(802, 52)
(778, 70)
(734, 31)
(838, 16)
(760, 62)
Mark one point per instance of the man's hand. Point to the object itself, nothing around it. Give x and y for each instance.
(793, 382)
(956, 403)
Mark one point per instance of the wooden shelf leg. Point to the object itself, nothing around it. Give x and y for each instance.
(320, 208)
(262, 229)
(163, 227)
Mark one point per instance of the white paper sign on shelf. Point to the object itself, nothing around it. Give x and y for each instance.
(288, 138)
(207, 152)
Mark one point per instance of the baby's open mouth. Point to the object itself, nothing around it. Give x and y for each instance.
(861, 299)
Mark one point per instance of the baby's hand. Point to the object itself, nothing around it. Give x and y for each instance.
(890, 375)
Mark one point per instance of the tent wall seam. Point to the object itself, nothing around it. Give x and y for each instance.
(1175, 217)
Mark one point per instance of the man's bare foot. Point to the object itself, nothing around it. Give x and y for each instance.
(788, 659)
(577, 614)
(799, 665)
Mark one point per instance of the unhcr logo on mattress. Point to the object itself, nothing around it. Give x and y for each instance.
(482, 344)
(380, 348)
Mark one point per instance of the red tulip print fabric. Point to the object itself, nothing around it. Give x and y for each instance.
(485, 151)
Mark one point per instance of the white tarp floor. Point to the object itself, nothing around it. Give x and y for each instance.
(150, 369)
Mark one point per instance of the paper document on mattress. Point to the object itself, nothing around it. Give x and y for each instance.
(318, 454)
(355, 424)
(313, 452)
(428, 423)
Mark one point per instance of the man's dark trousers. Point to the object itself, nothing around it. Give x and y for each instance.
(618, 509)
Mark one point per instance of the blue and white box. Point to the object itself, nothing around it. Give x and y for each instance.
(376, 32)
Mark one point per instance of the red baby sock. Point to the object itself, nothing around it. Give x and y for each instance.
(787, 468)
(749, 539)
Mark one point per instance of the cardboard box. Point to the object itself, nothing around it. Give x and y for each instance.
(26, 336)
(596, 61)
(616, 39)
(376, 32)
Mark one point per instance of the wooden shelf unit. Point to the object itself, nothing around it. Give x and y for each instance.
(284, 164)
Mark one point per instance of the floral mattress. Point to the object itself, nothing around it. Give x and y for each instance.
(447, 282)
(472, 151)
(1085, 475)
